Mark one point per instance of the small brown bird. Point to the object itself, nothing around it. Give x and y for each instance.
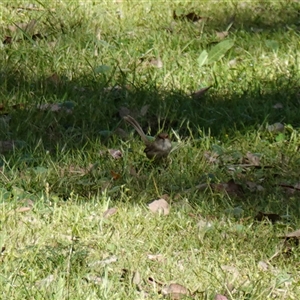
(156, 150)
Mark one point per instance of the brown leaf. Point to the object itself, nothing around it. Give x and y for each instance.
(261, 216)
(160, 206)
(110, 212)
(115, 153)
(175, 291)
(200, 93)
(115, 175)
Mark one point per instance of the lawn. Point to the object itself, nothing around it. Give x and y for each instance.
(85, 214)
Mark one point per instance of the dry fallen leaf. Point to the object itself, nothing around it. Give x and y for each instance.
(115, 153)
(160, 206)
(115, 176)
(156, 257)
(175, 291)
(109, 212)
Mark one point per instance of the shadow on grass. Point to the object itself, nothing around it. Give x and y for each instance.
(95, 114)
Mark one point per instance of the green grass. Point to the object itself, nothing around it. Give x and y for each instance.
(89, 61)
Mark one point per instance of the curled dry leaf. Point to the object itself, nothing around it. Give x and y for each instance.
(175, 291)
(110, 212)
(115, 153)
(156, 257)
(115, 176)
(160, 206)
